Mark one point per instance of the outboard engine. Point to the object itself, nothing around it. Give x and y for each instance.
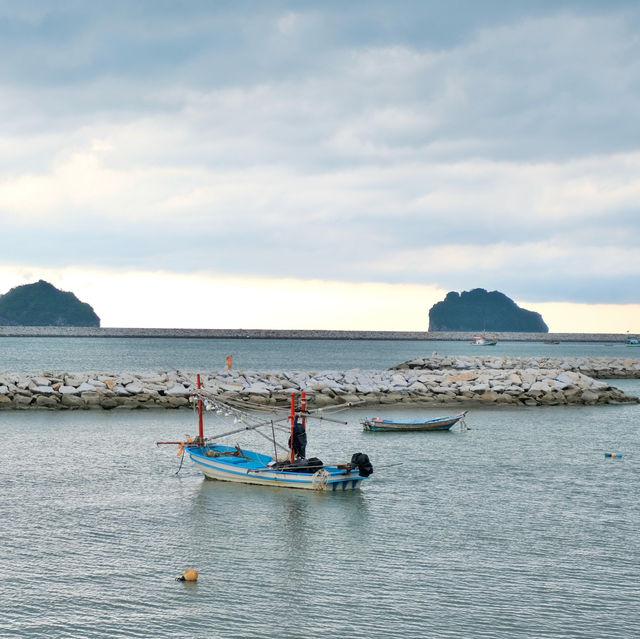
(362, 462)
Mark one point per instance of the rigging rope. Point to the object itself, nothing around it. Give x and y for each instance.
(181, 461)
(240, 410)
(320, 479)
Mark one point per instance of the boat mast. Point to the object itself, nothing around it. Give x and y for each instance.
(303, 408)
(292, 418)
(200, 423)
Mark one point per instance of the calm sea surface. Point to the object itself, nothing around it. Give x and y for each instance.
(517, 527)
(34, 354)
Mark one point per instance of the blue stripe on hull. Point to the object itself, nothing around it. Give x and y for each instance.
(253, 469)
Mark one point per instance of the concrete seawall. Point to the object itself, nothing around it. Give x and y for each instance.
(240, 333)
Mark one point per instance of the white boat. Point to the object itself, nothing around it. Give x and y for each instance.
(632, 341)
(229, 463)
(483, 340)
(431, 424)
(290, 470)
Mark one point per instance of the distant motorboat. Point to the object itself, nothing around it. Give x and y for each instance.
(632, 341)
(483, 340)
(434, 423)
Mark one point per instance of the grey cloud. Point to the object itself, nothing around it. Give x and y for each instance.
(312, 138)
(551, 80)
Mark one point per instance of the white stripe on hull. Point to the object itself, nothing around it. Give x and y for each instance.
(282, 480)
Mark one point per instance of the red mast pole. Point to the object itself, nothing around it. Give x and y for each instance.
(292, 417)
(200, 424)
(303, 406)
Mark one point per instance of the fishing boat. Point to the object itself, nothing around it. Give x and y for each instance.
(434, 423)
(288, 469)
(483, 340)
(632, 341)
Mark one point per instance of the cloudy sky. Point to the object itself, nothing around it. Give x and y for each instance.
(339, 165)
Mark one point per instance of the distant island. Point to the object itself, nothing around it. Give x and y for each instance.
(42, 304)
(479, 310)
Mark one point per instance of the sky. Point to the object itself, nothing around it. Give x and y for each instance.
(322, 165)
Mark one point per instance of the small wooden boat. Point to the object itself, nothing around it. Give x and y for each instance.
(435, 423)
(290, 469)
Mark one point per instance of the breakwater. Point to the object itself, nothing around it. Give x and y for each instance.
(462, 381)
(240, 333)
(596, 367)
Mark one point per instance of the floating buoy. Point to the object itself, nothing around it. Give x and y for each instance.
(188, 575)
(617, 455)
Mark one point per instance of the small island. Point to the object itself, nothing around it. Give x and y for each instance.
(479, 310)
(42, 304)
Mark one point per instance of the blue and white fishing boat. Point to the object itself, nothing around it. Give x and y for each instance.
(434, 423)
(229, 463)
(632, 341)
(289, 470)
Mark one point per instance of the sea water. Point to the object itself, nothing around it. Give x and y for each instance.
(517, 527)
(74, 354)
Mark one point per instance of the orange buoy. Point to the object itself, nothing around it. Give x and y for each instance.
(190, 575)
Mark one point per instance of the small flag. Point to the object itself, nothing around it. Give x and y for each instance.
(229, 360)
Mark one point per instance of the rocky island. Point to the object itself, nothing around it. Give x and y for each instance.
(479, 310)
(42, 304)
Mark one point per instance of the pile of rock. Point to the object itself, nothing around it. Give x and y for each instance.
(597, 367)
(91, 390)
(456, 384)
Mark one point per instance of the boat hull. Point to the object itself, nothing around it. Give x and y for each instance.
(437, 423)
(252, 468)
(483, 340)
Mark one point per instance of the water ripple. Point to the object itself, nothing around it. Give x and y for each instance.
(517, 528)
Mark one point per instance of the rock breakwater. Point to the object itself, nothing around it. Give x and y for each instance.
(455, 385)
(597, 367)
